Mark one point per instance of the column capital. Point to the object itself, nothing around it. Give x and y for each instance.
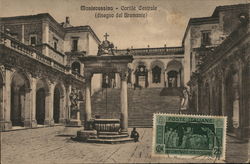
(123, 75)
(88, 76)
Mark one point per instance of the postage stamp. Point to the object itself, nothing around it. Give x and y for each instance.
(189, 136)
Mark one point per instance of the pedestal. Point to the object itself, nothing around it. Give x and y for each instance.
(75, 121)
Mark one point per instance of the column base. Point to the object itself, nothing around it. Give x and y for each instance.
(124, 131)
(49, 122)
(30, 123)
(76, 123)
(5, 125)
(62, 121)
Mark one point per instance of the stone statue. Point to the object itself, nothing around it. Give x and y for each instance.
(185, 99)
(74, 100)
(106, 48)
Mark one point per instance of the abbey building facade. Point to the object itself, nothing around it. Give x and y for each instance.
(40, 68)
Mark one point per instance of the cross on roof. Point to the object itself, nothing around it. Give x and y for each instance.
(106, 36)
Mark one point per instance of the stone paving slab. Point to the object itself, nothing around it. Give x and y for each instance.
(53, 145)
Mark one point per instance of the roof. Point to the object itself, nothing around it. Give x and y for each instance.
(229, 7)
(199, 21)
(59, 25)
(214, 18)
(41, 16)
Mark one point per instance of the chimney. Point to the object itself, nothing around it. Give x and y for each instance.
(67, 20)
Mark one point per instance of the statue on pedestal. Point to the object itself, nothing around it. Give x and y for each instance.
(74, 103)
(106, 48)
(185, 101)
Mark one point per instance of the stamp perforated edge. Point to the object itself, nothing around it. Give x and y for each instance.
(188, 115)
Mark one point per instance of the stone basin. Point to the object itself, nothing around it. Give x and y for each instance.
(107, 125)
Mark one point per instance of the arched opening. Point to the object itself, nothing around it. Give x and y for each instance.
(56, 112)
(172, 78)
(41, 99)
(58, 103)
(141, 76)
(76, 67)
(174, 74)
(19, 92)
(156, 72)
(40, 106)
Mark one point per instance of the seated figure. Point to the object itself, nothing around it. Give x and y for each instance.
(135, 135)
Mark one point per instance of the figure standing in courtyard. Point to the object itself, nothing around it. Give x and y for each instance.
(135, 135)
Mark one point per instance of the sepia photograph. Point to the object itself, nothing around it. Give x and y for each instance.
(124, 81)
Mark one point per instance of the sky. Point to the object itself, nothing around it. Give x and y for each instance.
(166, 25)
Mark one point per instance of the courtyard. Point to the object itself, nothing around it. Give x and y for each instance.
(53, 145)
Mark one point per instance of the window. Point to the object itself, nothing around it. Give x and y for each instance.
(33, 40)
(74, 44)
(55, 43)
(205, 40)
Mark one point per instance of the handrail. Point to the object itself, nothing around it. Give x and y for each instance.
(153, 51)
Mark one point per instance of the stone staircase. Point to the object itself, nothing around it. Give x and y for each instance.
(141, 105)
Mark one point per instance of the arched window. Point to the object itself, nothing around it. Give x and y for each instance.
(156, 71)
(76, 67)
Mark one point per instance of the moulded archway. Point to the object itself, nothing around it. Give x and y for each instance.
(174, 74)
(157, 69)
(20, 87)
(156, 74)
(141, 75)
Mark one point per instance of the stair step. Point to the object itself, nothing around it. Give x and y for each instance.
(142, 104)
(113, 136)
(111, 141)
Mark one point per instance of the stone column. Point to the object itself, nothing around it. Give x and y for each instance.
(124, 103)
(166, 79)
(178, 79)
(87, 115)
(162, 79)
(236, 101)
(32, 103)
(49, 105)
(6, 124)
(149, 78)
(27, 108)
(68, 102)
(62, 113)
(133, 77)
(117, 80)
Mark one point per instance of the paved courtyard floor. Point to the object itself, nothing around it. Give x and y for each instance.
(53, 145)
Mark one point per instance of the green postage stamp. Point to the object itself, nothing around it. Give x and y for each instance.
(189, 136)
